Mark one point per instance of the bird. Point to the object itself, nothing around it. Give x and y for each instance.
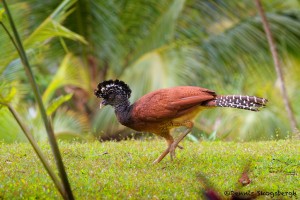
(164, 109)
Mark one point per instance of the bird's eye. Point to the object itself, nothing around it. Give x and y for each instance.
(111, 97)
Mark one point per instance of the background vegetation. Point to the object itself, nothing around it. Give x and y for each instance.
(74, 44)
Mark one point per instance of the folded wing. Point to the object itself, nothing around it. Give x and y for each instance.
(170, 103)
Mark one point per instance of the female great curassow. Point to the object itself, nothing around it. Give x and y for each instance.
(159, 111)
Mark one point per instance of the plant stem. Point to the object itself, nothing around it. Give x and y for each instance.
(54, 146)
(277, 66)
(37, 150)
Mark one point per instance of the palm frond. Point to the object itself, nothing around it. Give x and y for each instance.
(71, 72)
(67, 122)
(51, 27)
(161, 33)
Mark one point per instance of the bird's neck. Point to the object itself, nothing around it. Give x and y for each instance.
(123, 112)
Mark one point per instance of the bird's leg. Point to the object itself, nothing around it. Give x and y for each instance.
(173, 146)
(170, 141)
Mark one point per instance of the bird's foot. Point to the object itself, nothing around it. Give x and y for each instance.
(172, 149)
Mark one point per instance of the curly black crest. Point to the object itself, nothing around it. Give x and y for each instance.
(106, 88)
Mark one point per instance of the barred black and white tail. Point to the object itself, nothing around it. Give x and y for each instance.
(252, 103)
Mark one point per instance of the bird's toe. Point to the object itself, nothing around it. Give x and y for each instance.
(172, 150)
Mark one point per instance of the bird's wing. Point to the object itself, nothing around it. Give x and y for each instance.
(170, 103)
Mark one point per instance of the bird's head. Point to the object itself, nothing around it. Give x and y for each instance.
(113, 92)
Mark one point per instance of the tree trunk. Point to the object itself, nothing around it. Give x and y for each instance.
(277, 66)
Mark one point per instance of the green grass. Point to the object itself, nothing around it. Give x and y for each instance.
(124, 170)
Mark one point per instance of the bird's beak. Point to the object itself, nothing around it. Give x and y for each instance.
(102, 104)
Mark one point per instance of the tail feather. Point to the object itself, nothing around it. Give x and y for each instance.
(252, 103)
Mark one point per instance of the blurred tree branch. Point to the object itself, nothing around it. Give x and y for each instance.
(277, 66)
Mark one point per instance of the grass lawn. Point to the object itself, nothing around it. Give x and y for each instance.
(124, 170)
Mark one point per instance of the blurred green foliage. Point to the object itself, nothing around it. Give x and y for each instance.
(149, 44)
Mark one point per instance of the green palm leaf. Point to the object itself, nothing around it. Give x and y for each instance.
(70, 72)
(162, 32)
(49, 29)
